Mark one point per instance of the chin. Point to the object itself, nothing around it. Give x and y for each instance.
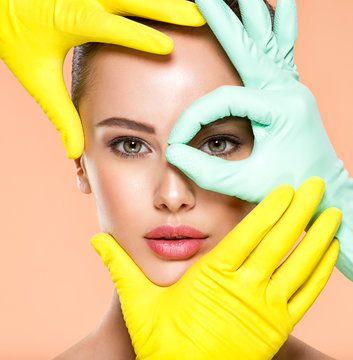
(166, 273)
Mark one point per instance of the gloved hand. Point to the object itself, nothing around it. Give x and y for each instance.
(232, 303)
(35, 36)
(290, 143)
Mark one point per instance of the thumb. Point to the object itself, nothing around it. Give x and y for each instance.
(212, 173)
(55, 101)
(43, 79)
(128, 278)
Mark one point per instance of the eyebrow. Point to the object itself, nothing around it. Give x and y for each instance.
(127, 124)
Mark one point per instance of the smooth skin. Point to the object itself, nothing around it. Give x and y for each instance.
(148, 188)
(137, 192)
(291, 143)
(35, 36)
(234, 302)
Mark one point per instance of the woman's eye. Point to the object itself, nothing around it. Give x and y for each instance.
(132, 146)
(221, 145)
(128, 147)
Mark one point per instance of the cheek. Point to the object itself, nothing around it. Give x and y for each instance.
(120, 194)
(227, 211)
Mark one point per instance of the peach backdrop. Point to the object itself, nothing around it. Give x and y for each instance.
(54, 287)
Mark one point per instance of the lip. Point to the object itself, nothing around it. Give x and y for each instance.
(175, 249)
(179, 230)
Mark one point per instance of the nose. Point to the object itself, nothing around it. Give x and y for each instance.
(174, 191)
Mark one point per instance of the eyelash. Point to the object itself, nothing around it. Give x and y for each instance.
(232, 139)
(112, 144)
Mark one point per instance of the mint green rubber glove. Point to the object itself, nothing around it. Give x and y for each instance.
(290, 143)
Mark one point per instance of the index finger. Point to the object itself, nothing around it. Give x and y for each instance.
(235, 248)
(178, 12)
(253, 66)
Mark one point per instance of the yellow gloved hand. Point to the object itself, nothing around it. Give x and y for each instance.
(35, 36)
(233, 303)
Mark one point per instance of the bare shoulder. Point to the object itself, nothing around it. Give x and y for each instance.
(295, 349)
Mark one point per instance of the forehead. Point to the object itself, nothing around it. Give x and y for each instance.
(130, 83)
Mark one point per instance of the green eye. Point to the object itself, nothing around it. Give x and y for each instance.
(132, 146)
(221, 145)
(217, 145)
(128, 147)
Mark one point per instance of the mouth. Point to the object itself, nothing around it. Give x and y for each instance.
(180, 232)
(175, 242)
(174, 237)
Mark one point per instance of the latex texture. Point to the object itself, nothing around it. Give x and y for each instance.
(290, 142)
(35, 36)
(232, 303)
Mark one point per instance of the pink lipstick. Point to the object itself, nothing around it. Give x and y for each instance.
(176, 242)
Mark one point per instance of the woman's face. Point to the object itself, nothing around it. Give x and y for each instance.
(131, 104)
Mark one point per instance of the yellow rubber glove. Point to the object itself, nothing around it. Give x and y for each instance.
(233, 303)
(35, 36)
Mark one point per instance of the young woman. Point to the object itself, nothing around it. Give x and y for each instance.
(129, 102)
(110, 339)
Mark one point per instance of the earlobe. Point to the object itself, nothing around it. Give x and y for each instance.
(81, 174)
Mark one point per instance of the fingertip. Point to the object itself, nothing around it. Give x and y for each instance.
(174, 138)
(175, 153)
(71, 151)
(74, 151)
(71, 132)
(193, 162)
(316, 181)
(173, 135)
(335, 247)
(284, 192)
(312, 185)
(330, 257)
(164, 47)
(98, 238)
(176, 134)
(187, 125)
(151, 40)
(197, 18)
(335, 213)
(279, 199)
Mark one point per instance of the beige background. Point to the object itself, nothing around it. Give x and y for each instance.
(54, 287)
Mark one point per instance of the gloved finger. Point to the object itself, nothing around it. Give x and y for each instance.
(345, 259)
(257, 23)
(118, 30)
(273, 248)
(259, 106)
(172, 11)
(255, 69)
(286, 29)
(235, 247)
(126, 275)
(301, 301)
(216, 174)
(304, 259)
(46, 84)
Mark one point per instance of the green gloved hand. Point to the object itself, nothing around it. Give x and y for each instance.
(290, 143)
(35, 36)
(234, 302)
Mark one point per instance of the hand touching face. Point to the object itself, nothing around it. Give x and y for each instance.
(131, 104)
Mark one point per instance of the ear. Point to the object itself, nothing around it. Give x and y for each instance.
(81, 173)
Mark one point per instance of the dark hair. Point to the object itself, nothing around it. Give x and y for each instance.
(84, 53)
